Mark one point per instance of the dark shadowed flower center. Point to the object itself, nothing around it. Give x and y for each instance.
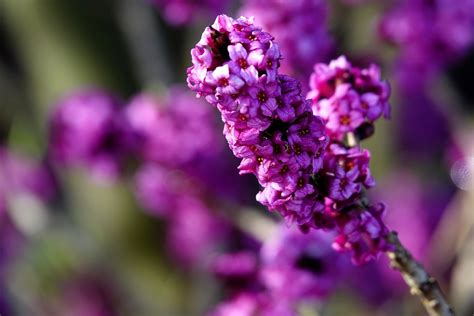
(224, 82)
(297, 149)
(262, 96)
(344, 119)
(300, 183)
(243, 63)
(220, 42)
(311, 264)
(304, 131)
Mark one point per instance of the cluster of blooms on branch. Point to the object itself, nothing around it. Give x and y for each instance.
(308, 173)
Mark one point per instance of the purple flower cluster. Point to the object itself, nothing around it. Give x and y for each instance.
(94, 129)
(429, 33)
(19, 175)
(87, 129)
(248, 304)
(268, 124)
(430, 36)
(181, 12)
(176, 130)
(347, 97)
(158, 133)
(193, 227)
(168, 137)
(306, 261)
(299, 26)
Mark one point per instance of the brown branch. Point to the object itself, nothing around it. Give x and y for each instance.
(418, 280)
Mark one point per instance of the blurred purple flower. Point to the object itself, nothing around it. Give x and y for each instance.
(306, 261)
(19, 174)
(158, 189)
(250, 304)
(181, 12)
(174, 130)
(430, 33)
(300, 28)
(194, 231)
(87, 129)
(424, 129)
(292, 268)
(193, 228)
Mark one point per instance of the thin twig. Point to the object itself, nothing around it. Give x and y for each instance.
(418, 280)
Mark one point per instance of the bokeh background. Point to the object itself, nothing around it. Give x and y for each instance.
(87, 229)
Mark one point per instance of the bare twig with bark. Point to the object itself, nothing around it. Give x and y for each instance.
(418, 280)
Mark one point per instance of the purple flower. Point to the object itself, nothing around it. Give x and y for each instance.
(193, 230)
(236, 265)
(345, 97)
(429, 33)
(158, 188)
(362, 232)
(20, 175)
(86, 129)
(343, 186)
(347, 171)
(20, 178)
(157, 126)
(250, 303)
(182, 12)
(244, 63)
(306, 261)
(265, 93)
(267, 122)
(224, 82)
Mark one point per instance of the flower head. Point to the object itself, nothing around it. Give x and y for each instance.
(304, 260)
(346, 96)
(281, 137)
(267, 121)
